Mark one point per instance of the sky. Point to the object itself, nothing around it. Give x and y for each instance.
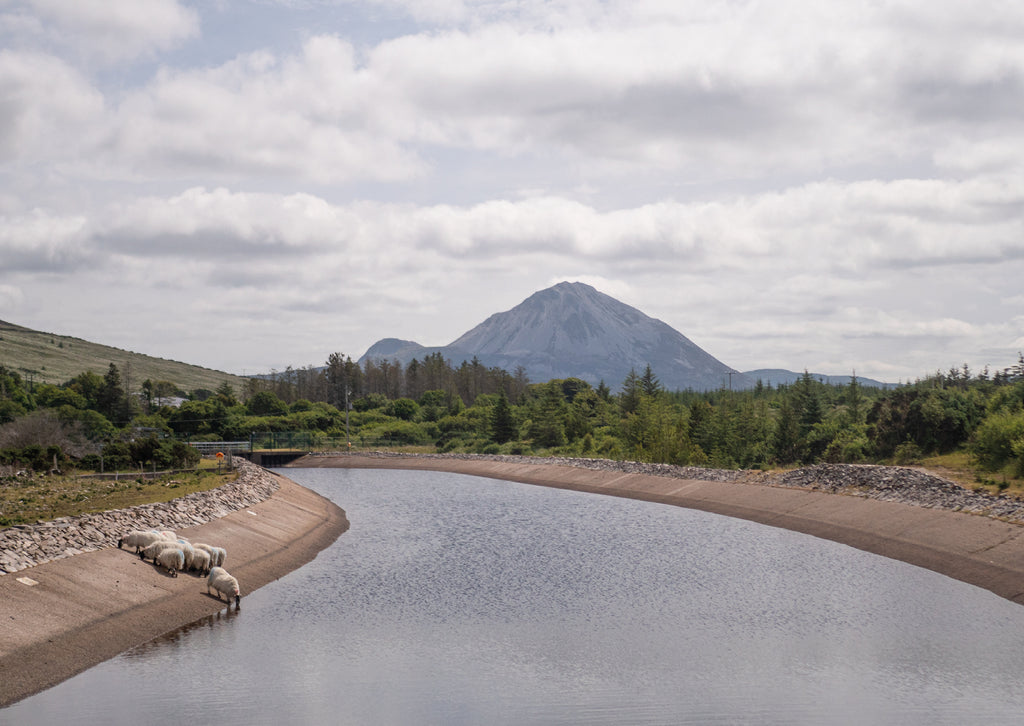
(249, 185)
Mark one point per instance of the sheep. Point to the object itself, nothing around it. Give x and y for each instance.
(172, 558)
(217, 554)
(201, 561)
(151, 552)
(169, 535)
(222, 554)
(138, 539)
(189, 551)
(222, 582)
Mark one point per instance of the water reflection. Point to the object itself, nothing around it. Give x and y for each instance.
(455, 600)
(181, 635)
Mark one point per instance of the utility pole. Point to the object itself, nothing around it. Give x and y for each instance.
(730, 379)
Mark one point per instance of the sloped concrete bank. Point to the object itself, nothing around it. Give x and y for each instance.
(27, 545)
(66, 615)
(893, 512)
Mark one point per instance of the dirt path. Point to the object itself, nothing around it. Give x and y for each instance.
(978, 550)
(93, 606)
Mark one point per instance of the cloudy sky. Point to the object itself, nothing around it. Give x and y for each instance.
(251, 184)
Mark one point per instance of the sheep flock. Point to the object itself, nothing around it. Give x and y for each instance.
(176, 554)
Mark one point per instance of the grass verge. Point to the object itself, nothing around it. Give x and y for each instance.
(41, 498)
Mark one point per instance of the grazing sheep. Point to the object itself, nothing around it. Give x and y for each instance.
(138, 539)
(189, 551)
(151, 552)
(169, 535)
(217, 554)
(223, 582)
(201, 561)
(173, 559)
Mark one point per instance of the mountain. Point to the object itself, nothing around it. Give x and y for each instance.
(572, 330)
(780, 376)
(51, 358)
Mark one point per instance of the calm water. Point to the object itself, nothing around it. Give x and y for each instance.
(459, 600)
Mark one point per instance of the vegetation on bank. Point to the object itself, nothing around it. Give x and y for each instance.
(28, 497)
(965, 419)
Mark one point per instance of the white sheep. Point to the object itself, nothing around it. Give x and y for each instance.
(173, 559)
(169, 535)
(217, 554)
(150, 552)
(189, 551)
(222, 582)
(201, 561)
(138, 539)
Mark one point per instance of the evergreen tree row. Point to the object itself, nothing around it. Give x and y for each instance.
(470, 407)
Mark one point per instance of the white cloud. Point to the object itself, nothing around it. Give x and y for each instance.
(310, 116)
(812, 183)
(46, 107)
(117, 30)
(44, 242)
(10, 298)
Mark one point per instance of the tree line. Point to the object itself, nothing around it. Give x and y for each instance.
(473, 408)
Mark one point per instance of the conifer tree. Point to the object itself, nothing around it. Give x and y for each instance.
(503, 426)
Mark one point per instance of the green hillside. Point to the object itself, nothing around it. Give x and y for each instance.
(51, 358)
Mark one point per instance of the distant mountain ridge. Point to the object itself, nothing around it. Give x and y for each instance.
(780, 376)
(573, 330)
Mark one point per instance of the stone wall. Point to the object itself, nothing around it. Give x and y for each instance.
(28, 545)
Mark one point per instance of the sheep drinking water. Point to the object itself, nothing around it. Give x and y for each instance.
(223, 582)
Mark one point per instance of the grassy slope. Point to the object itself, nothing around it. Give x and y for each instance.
(44, 497)
(51, 358)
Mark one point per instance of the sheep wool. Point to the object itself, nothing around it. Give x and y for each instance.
(190, 553)
(138, 539)
(221, 581)
(173, 559)
(222, 555)
(201, 561)
(151, 552)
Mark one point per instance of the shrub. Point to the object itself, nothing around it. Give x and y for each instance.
(999, 440)
(907, 453)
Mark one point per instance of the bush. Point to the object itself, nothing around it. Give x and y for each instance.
(999, 440)
(907, 453)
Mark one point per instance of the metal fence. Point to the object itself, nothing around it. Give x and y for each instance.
(293, 441)
(207, 448)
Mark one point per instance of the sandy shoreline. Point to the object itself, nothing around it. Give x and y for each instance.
(93, 606)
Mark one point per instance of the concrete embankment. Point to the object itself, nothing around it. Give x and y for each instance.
(66, 615)
(979, 550)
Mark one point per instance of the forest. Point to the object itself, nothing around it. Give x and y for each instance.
(92, 421)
